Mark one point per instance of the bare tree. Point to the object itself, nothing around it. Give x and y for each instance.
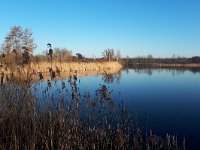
(17, 39)
(17, 43)
(149, 59)
(108, 54)
(28, 41)
(12, 40)
(118, 55)
(62, 54)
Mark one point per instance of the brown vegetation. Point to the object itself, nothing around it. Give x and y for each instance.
(70, 120)
(149, 61)
(62, 70)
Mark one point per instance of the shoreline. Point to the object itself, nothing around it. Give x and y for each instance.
(162, 65)
(37, 71)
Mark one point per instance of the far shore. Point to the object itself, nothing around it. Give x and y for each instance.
(178, 65)
(174, 65)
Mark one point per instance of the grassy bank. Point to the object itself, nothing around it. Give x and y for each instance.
(34, 70)
(75, 66)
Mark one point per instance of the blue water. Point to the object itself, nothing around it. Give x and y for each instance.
(170, 98)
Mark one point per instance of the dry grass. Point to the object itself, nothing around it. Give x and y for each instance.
(34, 71)
(68, 120)
(44, 67)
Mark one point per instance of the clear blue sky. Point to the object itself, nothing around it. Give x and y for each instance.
(135, 27)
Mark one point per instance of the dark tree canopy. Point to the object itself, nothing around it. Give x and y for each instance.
(195, 59)
(80, 56)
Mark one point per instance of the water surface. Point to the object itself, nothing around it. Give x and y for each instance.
(169, 98)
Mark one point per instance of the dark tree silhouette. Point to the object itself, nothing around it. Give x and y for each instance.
(195, 59)
(80, 56)
(26, 56)
(50, 52)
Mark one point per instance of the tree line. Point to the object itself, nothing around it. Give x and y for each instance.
(149, 60)
(19, 45)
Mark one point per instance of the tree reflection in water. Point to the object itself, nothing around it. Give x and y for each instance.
(111, 78)
(69, 119)
(174, 71)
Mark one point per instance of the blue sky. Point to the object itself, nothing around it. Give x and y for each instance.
(135, 27)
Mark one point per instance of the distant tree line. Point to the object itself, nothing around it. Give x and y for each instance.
(149, 60)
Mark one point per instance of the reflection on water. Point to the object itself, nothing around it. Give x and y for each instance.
(46, 91)
(169, 97)
(95, 108)
(110, 78)
(150, 71)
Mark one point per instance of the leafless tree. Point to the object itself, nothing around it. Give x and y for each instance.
(108, 54)
(15, 41)
(118, 55)
(62, 54)
(28, 41)
(18, 38)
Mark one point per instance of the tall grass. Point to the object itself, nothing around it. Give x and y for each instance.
(69, 120)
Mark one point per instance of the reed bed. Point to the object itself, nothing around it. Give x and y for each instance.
(63, 67)
(56, 115)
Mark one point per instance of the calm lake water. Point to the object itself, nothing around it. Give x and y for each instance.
(169, 98)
